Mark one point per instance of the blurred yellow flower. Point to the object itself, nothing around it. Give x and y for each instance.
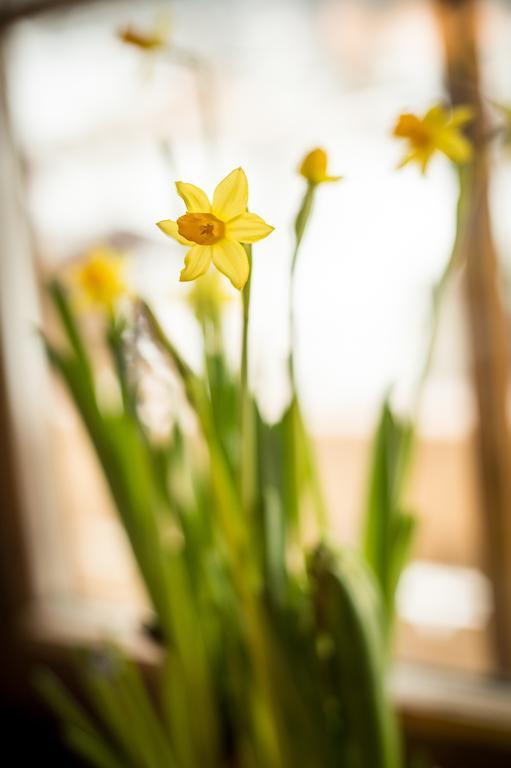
(314, 167)
(146, 40)
(439, 130)
(101, 277)
(208, 296)
(216, 230)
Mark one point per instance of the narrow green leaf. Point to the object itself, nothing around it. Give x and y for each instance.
(350, 623)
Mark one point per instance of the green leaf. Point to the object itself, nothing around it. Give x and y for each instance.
(81, 733)
(350, 625)
(388, 532)
(70, 327)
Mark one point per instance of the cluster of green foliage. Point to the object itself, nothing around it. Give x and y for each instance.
(275, 651)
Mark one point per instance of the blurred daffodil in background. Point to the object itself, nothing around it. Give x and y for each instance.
(152, 39)
(215, 231)
(314, 167)
(439, 130)
(208, 296)
(101, 277)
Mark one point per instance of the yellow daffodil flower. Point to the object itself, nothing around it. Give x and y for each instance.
(438, 131)
(314, 167)
(216, 230)
(208, 296)
(145, 40)
(101, 278)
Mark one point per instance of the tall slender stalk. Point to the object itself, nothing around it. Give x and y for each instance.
(439, 290)
(301, 222)
(247, 453)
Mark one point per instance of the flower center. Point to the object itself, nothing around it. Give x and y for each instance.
(201, 228)
(421, 137)
(410, 127)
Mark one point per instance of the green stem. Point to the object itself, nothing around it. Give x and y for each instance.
(439, 290)
(114, 336)
(301, 222)
(247, 462)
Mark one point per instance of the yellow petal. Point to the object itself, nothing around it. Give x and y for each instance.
(407, 159)
(196, 200)
(197, 262)
(435, 116)
(423, 158)
(420, 156)
(170, 228)
(231, 259)
(453, 144)
(460, 116)
(247, 228)
(231, 196)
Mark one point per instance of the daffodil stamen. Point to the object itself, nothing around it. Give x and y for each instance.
(201, 228)
(412, 128)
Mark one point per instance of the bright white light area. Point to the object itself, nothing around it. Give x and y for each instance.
(444, 599)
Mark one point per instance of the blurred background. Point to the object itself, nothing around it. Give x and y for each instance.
(93, 133)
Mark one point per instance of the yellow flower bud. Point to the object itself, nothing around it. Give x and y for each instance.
(314, 167)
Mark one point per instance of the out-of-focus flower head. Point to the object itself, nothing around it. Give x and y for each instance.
(314, 167)
(101, 277)
(147, 40)
(439, 130)
(208, 296)
(215, 231)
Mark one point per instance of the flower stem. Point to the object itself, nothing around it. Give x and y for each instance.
(247, 468)
(301, 436)
(301, 221)
(439, 290)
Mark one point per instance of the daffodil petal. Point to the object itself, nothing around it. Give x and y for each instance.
(460, 116)
(231, 196)
(196, 200)
(197, 262)
(170, 228)
(247, 228)
(453, 144)
(231, 259)
(423, 158)
(420, 156)
(435, 116)
(411, 157)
